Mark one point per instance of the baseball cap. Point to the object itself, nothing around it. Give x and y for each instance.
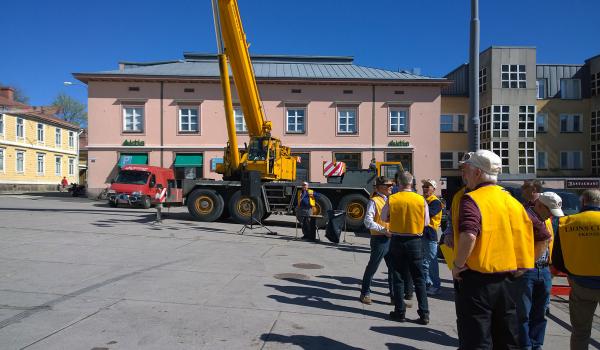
(488, 161)
(382, 180)
(429, 182)
(553, 202)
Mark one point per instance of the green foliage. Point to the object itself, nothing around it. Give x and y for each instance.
(70, 109)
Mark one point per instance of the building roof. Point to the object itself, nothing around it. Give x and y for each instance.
(41, 115)
(4, 101)
(266, 67)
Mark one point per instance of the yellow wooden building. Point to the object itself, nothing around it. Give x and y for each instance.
(36, 150)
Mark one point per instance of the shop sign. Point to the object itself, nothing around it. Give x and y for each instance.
(133, 143)
(582, 184)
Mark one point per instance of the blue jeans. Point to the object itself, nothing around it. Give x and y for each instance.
(431, 269)
(408, 251)
(532, 302)
(380, 249)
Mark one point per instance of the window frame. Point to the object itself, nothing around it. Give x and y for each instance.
(563, 94)
(509, 79)
(529, 160)
(2, 160)
(346, 108)
(58, 161)
(21, 126)
(124, 119)
(545, 124)
(58, 137)
(571, 160)
(71, 166)
(482, 79)
(41, 132)
(244, 129)
(334, 158)
(23, 161)
(43, 163)
(526, 127)
(543, 86)
(570, 123)
(538, 166)
(1, 124)
(450, 160)
(198, 130)
(296, 108)
(406, 111)
(504, 125)
(308, 162)
(502, 149)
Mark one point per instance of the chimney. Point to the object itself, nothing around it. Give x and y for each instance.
(8, 92)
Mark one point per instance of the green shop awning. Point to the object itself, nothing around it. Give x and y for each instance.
(133, 158)
(188, 160)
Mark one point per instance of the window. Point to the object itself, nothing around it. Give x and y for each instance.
(595, 129)
(352, 160)
(303, 166)
(58, 137)
(540, 86)
(398, 121)
(482, 79)
(570, 89)
(447, 160)
(40, 163)
(240, 123)
(40, 132)
(500, 116)
(347, 121)
(20, 159)
(527, 157)
(485, 127)
(2, 160)
(188, 120)
(542, 122)
(71, 139)
(1, 124)
(133, 119)
(526, 121)
(71, 166)
(595, 160)
(514, 76)
(57, 165)
(452, 123)
(595, 84)
(542, 160)
(20, 128)
(570, 160)
(570, 123)
(404, 158)
(295, 119)
(501, 149)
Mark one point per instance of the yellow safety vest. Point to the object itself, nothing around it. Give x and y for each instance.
(407, 213)
(580, 243)
(436, 220)
(551, 244)
(379, 203)
(311, 198)
(506, 239)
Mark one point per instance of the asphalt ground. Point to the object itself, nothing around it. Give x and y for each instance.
(77, 274)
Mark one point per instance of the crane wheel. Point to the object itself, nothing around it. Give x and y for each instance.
(241, 207)
(322, 205)
(205, 205)
(355, 206)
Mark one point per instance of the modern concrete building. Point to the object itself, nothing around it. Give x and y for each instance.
(539, 118)
(36, 149)
(171, 114)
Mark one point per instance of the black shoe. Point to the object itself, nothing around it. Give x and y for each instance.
(397, 316)
(424, 320)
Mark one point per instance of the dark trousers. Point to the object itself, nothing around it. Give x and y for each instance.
(486, 311)
(380, 249)
(309, 225)
(532, 302)
(408, 252)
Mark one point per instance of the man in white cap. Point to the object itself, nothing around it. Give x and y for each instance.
(493, 237)
(430, 238)
(533, 287)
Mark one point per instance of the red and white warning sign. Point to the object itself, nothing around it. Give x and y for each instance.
(161, 195)
(333, 168)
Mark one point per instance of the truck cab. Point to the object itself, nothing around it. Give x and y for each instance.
(137, 185)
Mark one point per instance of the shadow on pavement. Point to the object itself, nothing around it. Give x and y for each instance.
(307, 341)
(423, 334)
(566, 326)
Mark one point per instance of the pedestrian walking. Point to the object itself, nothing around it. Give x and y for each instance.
(64, 183)
(430, 238)
(407, 213)
(304, 211)
(493, 236)
(576, 253)
(380, 242)
(161, 197)
(533, 287)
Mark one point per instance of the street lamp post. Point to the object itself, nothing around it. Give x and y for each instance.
(473, 131)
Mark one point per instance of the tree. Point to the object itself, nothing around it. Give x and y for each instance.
(70, 109)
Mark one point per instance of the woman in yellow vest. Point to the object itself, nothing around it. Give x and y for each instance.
(576, 253)
(380, 243)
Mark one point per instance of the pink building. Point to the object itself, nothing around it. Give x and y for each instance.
(171, 114)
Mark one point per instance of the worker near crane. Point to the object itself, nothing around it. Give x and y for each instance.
(430, 238)
(576, 253)
(305, 212)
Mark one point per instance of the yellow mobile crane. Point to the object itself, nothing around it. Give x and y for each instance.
(265, 153)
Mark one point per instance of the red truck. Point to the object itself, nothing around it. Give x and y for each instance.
(138, 185)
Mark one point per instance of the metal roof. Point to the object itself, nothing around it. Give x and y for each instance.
(265, 67)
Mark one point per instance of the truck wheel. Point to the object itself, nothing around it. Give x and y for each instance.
(146, 202)
(205, 205)
(240, 208)
(355, 206)
(322, 205)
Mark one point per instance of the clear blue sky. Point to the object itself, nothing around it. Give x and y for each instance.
(43, 42)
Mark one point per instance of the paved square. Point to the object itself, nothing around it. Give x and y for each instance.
(76, 274)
